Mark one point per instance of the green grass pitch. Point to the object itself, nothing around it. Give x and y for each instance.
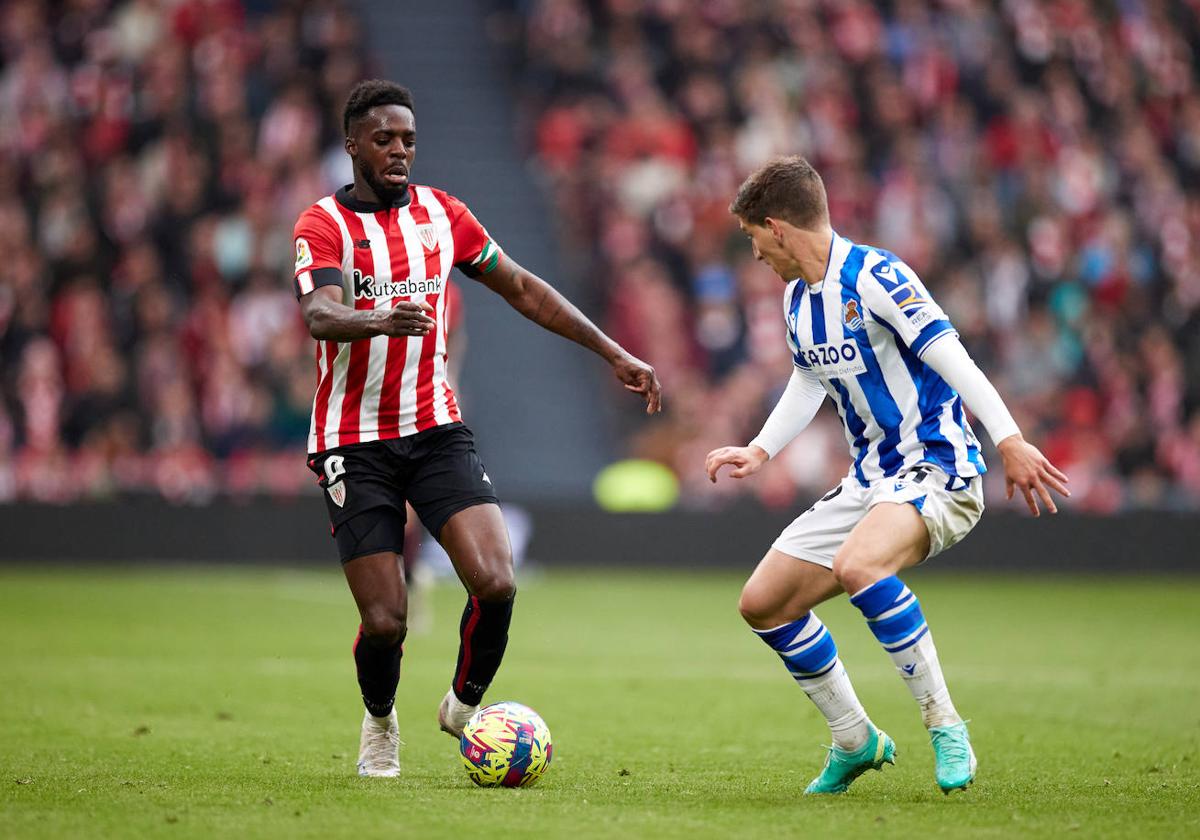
(222, 702)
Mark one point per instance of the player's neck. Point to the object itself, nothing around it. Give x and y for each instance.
(812, 250)
(361, 193)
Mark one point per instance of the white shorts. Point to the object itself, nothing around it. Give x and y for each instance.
(818, 533)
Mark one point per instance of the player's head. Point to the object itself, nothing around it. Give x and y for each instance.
(784, 197)
(381, 136)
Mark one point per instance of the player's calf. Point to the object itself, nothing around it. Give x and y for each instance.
(810, 656)
(378, 649)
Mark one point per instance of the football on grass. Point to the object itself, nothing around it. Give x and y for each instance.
(506, 745)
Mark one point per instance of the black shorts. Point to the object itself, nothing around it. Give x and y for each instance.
(437, 471)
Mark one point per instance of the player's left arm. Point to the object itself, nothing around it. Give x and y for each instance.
(895, 296)
(541, 303)
(1025, 467)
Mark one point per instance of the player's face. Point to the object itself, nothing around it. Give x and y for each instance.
(383, 145)
(768, 247)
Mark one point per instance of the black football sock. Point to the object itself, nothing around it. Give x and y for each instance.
(378, 663)
(484, 635)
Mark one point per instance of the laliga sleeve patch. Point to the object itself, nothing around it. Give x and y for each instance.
(303, 254)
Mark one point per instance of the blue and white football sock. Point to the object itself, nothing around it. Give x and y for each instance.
(811, 657)
(894, 615)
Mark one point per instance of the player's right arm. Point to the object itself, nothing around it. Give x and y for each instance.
(318, 285)
(794, 411)
(328, 319)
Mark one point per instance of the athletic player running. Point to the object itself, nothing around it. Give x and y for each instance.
(372, 263)
(863, 330)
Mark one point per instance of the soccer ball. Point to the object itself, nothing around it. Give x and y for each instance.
(506, 745)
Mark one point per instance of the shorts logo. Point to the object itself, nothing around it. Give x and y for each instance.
(428, 236)
(850, 316)
(335, 468)
(303, 254)
(337, 492)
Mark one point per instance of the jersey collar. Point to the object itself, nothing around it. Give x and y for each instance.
(351, 203)
(839, 249)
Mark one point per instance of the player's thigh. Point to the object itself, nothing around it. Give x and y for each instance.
(476, 540)
(817, 534)
(890, 537)
(783, 588)
(447, 477)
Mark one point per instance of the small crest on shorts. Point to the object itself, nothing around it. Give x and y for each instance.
(337, 492)
(850, 316)
(428, 235)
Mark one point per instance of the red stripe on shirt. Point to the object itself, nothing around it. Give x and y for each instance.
(425, 369)
(324, 389)
(360, 351)
(397, 348)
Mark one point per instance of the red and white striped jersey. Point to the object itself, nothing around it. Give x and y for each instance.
(384, 387)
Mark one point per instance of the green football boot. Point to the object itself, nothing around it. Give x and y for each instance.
(955, 760)
(842, 767)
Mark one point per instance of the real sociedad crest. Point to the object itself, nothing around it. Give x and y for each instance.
(850, 316)
(428, 236)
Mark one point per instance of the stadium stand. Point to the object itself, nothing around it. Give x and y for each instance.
(1038, 163)
(154, 157)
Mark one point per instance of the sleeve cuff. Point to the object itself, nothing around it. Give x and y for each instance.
(931, 333)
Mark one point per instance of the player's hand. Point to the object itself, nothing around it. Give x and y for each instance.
(639, 377)
(1027, 468)
(746, 460)
(408, 317)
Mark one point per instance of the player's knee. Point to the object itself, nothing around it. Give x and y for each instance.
(384, 625)
(495, 584)
(757, 605)
(851, 568)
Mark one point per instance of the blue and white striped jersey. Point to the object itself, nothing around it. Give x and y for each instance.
(862, 331)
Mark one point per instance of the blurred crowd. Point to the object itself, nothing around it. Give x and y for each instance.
(154, 155)
(1038, 163)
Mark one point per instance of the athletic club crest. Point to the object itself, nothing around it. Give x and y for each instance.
(337, 492)
(428, 236)
(850, 316)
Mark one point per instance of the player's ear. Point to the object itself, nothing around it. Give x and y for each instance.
(775, 228)
(351, 147)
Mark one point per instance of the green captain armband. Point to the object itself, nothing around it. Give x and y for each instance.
(486, 261)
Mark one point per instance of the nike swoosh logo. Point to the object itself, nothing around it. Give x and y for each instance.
(908, 669)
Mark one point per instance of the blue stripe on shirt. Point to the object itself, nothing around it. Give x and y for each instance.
(883, 405)
(932, 394)
(818, 318)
